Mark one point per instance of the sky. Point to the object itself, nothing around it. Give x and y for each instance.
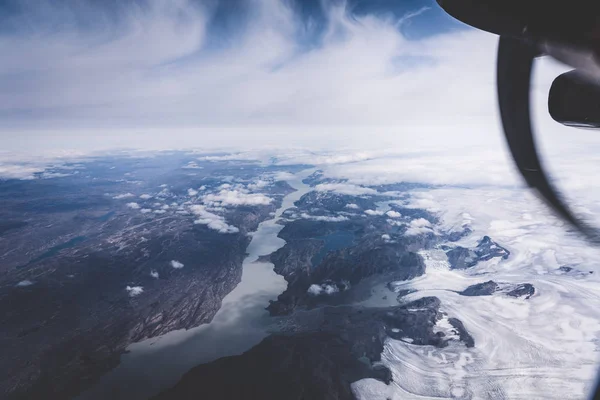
(357, 80)
(175, 74)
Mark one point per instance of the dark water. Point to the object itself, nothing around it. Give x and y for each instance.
(54, 250)
(106, 217)
(334, 241)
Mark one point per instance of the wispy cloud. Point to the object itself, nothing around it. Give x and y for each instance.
(123, 196)
(227, 197)
(325, 218)
(151, 67)
(344, 188)
(213, 221)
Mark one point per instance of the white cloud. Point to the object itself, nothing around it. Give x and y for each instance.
(134, 290)
(393, 214)
(145, 210)
(236, 198)
(24, 283)
(386, 237)
(352, 206)
(260, 184)
(154, 274)
(420, 222)
(213, 221)
(159, 211)
(344, 188)
(134, 206)
(327, 289)
(191, 192)
(418, 226)
(176, 264)
(339, 218)
(19, 171)
(145, 196)
(132, 68)
(283, 176)
(50, 175)
(374, 212)
(124, 196)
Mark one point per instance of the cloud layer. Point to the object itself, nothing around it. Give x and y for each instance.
(359, 81)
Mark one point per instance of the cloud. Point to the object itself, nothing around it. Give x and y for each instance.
(317, 290)
(345, 188)
(134, 290)
(242, 156)
(50, 175)
(418, 226)
(352, 206)
(339, 218)
(176, 264)
(19, 171)
(145, 210)
(393, 214)
(124, 196)
(24, 283)
(283, 176)
(191, 192)
(259, 184)
(145, 196)
(213, 221)
(151, 67)
(154, 274)
(227, 197)
(374, 212)
(134, 206)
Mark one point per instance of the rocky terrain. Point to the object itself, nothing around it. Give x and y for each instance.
(114, 254)
(525, 290)
(323, 260)
(332, 257)
(117, 252)
(461, 258)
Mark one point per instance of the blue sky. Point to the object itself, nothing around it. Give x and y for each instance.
(100, 73)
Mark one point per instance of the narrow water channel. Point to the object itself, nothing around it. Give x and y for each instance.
(242, 322)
